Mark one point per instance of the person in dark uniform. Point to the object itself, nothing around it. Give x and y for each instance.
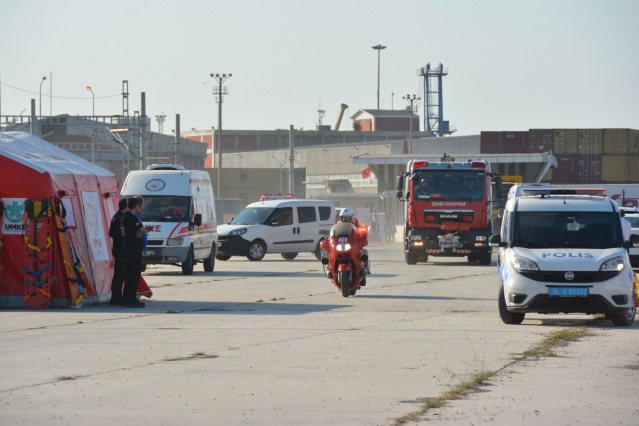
(118, 255)
(134, 238)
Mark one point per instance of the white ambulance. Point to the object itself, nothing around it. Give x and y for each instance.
(561, 253)
(180, 209)
(285, 226)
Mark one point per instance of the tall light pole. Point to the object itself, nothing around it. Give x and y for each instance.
(379, 48)
(92, 123)
(411, 99)
(42, 81)
(219, 91)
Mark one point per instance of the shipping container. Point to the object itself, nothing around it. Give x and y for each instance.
(507, 142)
(540, 140)
(565, 141)
(633, 142)
(578, 168)
(589, 141)
(615, 141)
(621, 168)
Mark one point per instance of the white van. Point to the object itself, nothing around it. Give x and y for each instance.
(561, 253)
(180, 209)
(276, 226)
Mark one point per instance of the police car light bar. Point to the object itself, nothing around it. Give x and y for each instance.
(598, 192)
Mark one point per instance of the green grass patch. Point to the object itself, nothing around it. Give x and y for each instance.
(477, 379)
(557, 339)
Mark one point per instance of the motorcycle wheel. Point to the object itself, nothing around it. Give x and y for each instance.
(344, 283)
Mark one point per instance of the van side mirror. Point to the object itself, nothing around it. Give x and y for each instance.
(633, 242)
(197, 220)
(495, 241)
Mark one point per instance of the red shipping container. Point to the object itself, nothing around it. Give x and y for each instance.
(577, 169)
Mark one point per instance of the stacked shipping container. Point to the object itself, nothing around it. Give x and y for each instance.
(583, 155)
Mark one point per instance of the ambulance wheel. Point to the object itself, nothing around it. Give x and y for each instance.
(289, 256)
(189, 262)
(485, 259)
(209, 262)
(256, 251)
(506, 316)
(222, 257)
(411, 258)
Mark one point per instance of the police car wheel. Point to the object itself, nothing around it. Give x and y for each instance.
(627, 318)
(506, 316)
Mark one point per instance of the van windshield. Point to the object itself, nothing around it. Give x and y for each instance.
(597, 230)
(252, 216)
(166, 208)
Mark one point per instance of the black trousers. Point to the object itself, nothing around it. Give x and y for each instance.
(132, 277)
(119, 271)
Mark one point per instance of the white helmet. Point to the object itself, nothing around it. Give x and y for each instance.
(346, 215)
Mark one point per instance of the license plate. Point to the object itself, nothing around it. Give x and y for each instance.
(149, 253)
(568, 291)
(449, 243)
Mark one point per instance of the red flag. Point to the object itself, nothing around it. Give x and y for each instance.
(366, 173)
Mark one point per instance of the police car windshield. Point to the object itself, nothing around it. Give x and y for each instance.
(166, 208)
(252, 216)
(597, 230)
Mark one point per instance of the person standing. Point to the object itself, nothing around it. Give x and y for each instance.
(134, 242)
(119, 266)
(390, 230)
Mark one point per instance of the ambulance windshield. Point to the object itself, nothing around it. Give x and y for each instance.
(166, 208)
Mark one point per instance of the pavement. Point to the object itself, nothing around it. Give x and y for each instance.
(273, 343)
(558, 390)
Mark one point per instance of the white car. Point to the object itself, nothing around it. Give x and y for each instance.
(634, 251)
(563, 254)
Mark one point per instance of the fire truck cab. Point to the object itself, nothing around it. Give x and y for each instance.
(447, 209)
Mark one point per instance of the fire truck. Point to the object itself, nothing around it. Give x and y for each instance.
(448, 209)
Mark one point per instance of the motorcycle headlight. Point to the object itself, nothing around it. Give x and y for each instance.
(520, 263)
(238, 231)
(615, 264)
(175, 241)
(342, 247)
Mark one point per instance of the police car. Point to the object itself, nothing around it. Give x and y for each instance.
(562, 253)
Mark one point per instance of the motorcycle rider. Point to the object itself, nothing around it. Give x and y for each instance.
(346, 226)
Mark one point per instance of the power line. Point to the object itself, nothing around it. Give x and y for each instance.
(58, 97)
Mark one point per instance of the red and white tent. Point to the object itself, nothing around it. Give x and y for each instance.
(31, 168)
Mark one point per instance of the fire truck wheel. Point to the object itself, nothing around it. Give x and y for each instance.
(411, 258)
(472, 258)
(485, 259)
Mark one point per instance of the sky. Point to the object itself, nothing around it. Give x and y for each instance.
(512, 64)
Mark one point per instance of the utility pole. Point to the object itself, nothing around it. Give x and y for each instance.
(42, 81)
(220, 92)
(379, 48)
(92, 124)
(411, 99)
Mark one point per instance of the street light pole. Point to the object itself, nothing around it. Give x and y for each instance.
(92, 124)
(42, 81)
(220, 91)
(411, 99)
(379, 48)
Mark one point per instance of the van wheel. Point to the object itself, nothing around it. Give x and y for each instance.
(209, 262)
(289, 256)
(189, 262)
(256, 251)
(222, 257)
(506, 316)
